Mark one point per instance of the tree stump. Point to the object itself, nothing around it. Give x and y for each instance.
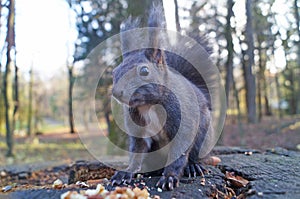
(243, 173)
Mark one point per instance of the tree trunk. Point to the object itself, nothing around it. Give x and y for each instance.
(268, 110)
(229, 63)
(259, 80)
(278, 95)
(71, 84)
(239, 116)
(29, 116)
(178, 28)
(249, 77)
(259, 96)
(136, 8)
(298, 57)
(1, 6)
(7, 104)
(293, 98)
(16, 97)
(290, 76)
(10, 39)
(1, 91)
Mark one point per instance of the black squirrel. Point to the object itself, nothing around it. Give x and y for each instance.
(156, 85)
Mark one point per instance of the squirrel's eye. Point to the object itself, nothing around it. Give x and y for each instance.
(144, 71)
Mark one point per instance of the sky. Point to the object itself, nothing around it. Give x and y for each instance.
(43, 32)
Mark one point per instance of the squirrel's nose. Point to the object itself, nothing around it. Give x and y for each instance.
(117, 93)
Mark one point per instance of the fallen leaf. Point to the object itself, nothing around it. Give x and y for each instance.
(236, 180)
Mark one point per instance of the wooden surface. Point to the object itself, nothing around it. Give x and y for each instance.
(273, 173)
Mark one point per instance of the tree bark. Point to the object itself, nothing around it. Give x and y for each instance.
(229, 62)
(259, 80)
(29, 116)
(10, 39)
(249, 77)
(259, 96)
(70, 108)
(1, 6)
(136, 8)
(278, 95)
(7, 104)
(178, 27)
(268, 110)
(298, 48)
(1, 85)
(16, 97)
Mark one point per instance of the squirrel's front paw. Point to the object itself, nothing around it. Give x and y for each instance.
(168, 182)
(121, 177)
(194, 169)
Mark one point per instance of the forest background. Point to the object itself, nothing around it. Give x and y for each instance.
(256, 46)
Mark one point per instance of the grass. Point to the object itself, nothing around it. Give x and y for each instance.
(34, 152)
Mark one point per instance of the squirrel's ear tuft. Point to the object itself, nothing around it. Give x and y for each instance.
(156, 16)
(128, 39)
(129, 24)
(157, 34)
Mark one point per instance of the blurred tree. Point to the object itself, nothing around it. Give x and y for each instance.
(290, 76)
(229, 62)
(263, 41)
(248, 66)
(71, 80)
(16, 96)
(287, 84)
(96, 21)
(71, 77)
(139, 9)
(297, 42)
(7, 86)
(1, 102)
(30, 100)
(1, 52)
(178, 27)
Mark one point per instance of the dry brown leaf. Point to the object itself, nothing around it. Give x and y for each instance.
(235, 180)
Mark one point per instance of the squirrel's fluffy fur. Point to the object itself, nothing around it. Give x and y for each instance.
(161, 68)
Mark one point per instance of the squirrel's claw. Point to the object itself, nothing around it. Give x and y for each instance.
(168, 183)
(121, 177)
(194, 169)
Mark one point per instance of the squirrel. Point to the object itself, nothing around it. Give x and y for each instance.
(159, 90)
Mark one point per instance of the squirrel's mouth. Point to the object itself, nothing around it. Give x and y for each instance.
(136, 102)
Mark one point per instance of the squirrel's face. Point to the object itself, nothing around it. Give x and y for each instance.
(138, 81)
